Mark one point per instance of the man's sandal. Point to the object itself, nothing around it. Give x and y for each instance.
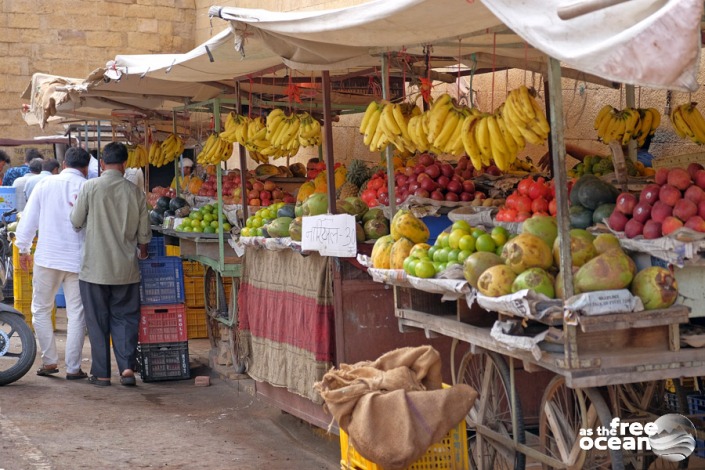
(47, 370)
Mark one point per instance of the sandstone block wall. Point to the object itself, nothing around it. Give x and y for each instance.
(74, 37)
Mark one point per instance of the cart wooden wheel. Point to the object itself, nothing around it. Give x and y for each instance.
(220, 312)
(643, 402)
(488, 373)
(564, 411)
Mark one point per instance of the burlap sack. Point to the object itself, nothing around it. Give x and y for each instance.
(393, 408)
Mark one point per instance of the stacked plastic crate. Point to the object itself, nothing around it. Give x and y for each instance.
(22, 287)
(195, 299)
(163, 335)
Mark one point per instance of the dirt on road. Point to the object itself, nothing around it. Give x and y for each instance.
(51, 423)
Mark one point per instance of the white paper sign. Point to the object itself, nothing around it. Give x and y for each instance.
(330, 235)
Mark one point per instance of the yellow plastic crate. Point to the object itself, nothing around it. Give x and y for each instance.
(25, 306)
(194, 292)
(22, 285)
(193, 269)
(172, 250)
(449, 454)
(196, 322)
(688, 383)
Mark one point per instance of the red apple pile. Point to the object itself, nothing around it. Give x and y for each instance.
(532, 197)
(230, 182)
(436, 180)
(259, 193)
(676, 199)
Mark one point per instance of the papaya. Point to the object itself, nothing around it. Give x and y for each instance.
(266, 170)
(405, 224)
(295, 229)
(527, 251)
(279, 227)
(400, 250)
(305, 191)
(382, 252)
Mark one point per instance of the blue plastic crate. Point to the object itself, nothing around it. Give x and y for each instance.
(156, 247)
(60, 298)
(436, 225)
(696, 404)
(162, 281)
(700, 448)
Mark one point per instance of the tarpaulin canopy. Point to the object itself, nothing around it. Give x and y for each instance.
(654, 43)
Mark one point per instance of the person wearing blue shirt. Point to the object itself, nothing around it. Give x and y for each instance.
(17, 171)
(643, 155)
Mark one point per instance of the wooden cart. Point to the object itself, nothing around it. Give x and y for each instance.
(606, 366)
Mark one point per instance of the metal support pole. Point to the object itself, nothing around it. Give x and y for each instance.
(219, 176)
(243, 157)
(328, 141)
(98, 152)
(388, 151)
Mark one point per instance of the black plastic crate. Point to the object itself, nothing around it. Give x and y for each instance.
(162, 281)
(163, 361)
(8, 291)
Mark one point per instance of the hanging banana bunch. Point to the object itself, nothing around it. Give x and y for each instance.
(688, 122)
(137, 156)
(215, 150)
(626, 124)
(155, 154)
(386, 123)
(310, 131)
(235, 128)
(171, 148)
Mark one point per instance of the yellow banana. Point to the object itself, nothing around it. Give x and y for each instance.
(604, 111)
(401, 121)
(371, 109)
(437, 116)
(454, 146)
(482, 137)
(497, 144)
(525, 99)
(540, 117)
(512, 148)
(691, 115)
(656, 119)
(449, 125)
(469, 142)
(372, 126)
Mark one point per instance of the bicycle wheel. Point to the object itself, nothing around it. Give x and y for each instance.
(488, 373)
(17, 348)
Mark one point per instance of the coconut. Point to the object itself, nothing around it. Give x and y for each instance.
(543, 226)
(527, 251)
(477, 263)
(582, 249)
(656, 287)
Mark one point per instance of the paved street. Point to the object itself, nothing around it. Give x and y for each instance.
(50, 423)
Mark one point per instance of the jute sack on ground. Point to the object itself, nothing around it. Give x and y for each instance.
(393, 408)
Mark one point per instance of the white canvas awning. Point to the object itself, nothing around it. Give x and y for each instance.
(654, 43)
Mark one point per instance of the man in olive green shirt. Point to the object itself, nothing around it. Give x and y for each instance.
(114, 213)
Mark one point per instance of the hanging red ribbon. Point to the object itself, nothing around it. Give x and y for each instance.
(425, 89)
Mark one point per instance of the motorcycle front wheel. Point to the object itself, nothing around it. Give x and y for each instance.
(17, 348)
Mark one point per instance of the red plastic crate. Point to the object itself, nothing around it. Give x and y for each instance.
(163, 324)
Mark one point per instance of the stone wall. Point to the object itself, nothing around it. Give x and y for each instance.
(74, 37)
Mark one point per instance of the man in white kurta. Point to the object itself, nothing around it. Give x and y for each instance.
(57, 261)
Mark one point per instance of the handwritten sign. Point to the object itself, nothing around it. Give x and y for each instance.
(330, 235)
